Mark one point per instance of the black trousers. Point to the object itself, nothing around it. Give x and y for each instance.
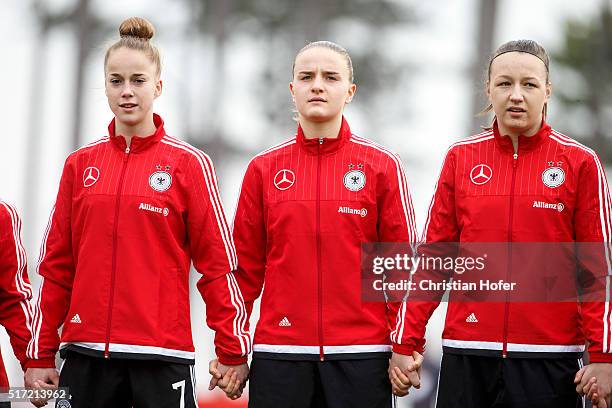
(95, 382)
(477, 381)
(320, 384)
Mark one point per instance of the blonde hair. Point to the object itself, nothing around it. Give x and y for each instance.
(526, 46)
(331, 46)
(135, 34)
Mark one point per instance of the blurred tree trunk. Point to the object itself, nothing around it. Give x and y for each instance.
(188, 52)
(220, 10)
(586, 56)
(487, 11)
(597, 101)
(85, 31)
(37, 96)
(211, 19)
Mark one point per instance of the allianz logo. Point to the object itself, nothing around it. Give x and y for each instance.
(553, 206)
(356, 211)
(149, 207)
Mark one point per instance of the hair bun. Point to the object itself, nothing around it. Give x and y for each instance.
(137, 27)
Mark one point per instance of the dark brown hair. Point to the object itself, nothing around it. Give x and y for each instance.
(526, 46)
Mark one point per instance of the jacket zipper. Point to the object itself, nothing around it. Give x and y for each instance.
(318, 235)
(114, 262)
(508, 271)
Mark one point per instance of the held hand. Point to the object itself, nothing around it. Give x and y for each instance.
(593, 395)
(234, 381)
(600, 373)
(591, 391)
(41, 378)
(231, 378)
(216, 373)
(405, 372)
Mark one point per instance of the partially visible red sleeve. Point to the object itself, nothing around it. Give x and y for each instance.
(15, 289)
(593, 223)
(250, 236)
(395, 224)
(214, 256)
(441, 226)
(57, 269)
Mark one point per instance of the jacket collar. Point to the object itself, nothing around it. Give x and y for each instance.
(329, 145)
(138, 143)
(525, 143)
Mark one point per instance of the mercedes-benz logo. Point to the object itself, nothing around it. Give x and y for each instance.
(284, 179)
(481, 174)
(90, 176)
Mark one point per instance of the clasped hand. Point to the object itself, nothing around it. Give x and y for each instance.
(229, 378)
(405, 372)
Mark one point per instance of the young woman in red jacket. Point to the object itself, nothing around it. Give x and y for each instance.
(134, 210)
(520, 182)
(15, 290)
(305, 208)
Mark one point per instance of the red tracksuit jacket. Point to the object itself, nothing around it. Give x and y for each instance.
(553, 190)
(305, 207)
(15, 289)
(116, 255)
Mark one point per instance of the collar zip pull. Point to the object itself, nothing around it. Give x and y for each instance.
(320, 140)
